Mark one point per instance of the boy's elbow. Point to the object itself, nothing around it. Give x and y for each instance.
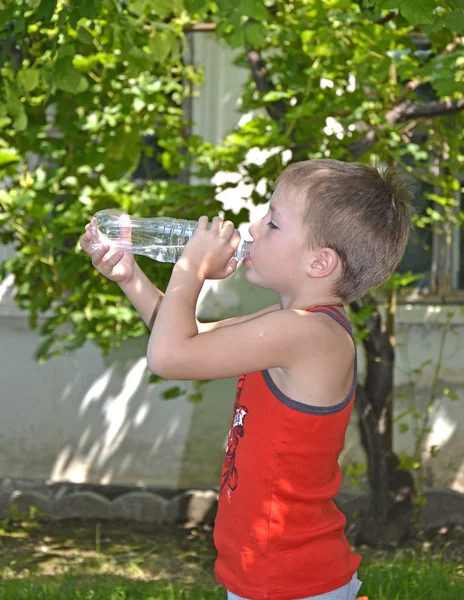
(163, 365)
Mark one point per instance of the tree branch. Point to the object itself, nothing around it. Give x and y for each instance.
(406, 111)
(388, 17)
(276, 110)
(200, 28)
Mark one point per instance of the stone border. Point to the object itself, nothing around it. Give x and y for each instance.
(166, 505)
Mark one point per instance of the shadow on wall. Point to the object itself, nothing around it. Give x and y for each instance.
(89, 418)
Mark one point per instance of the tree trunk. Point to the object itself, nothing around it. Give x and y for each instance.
(389, 516)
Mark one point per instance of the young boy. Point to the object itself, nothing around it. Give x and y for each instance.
(333, 231)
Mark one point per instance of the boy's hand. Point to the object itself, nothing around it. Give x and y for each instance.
(116, 265)
(210, 250)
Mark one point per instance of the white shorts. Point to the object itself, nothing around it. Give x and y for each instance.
(346, 592)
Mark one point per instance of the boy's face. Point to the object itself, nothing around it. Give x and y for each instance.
(278, 256)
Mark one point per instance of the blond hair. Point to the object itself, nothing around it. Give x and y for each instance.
(361, 212)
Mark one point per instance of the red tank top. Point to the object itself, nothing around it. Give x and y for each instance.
(278, 533)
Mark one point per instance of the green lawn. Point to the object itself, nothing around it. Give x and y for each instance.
(100, 588)
(120, 561)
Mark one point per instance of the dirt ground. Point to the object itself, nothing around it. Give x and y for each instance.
(150, 552)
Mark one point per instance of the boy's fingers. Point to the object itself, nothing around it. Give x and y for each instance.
(231, 267)
(203, 222)
(236, 237)
(216, 224)
(228, 229)
(113, 260)
(85, 240)
(99, 254)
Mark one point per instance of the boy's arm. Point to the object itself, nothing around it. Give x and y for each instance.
(206, 327)
(146, 299)
(177, 350)
(143, 295)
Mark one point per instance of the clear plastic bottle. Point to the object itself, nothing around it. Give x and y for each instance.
(160, 238)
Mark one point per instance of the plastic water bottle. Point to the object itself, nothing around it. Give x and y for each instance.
(160, 238)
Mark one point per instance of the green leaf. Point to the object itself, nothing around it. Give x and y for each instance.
(8, 156)
(21, 121)
(195, 398)
(15, 106)
(437, 25)
(152, 378)
(451, 394)
(87, 63)
(67, 78)
(7, 14)
(139, 6)
(434, 450)
(158, 46)
(455, 21)
(66, 50)
(29, 79)
(237, 38)
(171, 393)
(34, 4)
(164, 8)
(196, 6)
(255, 34)
(275, 95)
(140, 58)
(46, 10)
(84, 36)
(418, 12)
(254, 9)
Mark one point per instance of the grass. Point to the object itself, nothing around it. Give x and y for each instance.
(77, 560)
(102, 588)
(412, 578)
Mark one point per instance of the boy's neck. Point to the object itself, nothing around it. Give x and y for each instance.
(309, 301)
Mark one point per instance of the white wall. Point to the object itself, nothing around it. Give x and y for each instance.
(89, 418)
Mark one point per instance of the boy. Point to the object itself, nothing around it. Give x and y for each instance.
(333, 231)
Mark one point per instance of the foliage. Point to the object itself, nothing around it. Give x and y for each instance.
(92, 98)
(84, 86)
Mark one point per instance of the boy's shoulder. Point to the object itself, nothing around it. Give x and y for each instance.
(321, 370)
(326, 328)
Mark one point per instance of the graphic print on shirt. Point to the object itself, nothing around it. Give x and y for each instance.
(229, 479)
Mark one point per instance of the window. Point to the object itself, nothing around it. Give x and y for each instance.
(438, 254)
(418, 255)
(457, 249)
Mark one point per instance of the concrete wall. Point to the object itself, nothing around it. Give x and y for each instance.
(86, 418)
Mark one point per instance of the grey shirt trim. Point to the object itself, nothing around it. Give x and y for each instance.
(309, 408)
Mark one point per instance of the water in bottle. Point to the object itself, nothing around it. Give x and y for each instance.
(160, 238)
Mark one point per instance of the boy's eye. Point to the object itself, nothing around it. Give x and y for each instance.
(271, 225)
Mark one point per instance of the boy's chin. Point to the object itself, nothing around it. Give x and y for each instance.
(255, 281)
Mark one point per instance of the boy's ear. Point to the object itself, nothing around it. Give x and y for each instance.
(322, 263)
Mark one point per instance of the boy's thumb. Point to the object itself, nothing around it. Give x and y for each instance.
(231, 267)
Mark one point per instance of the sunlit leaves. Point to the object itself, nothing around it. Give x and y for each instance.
(424, 12)
(92, 93)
